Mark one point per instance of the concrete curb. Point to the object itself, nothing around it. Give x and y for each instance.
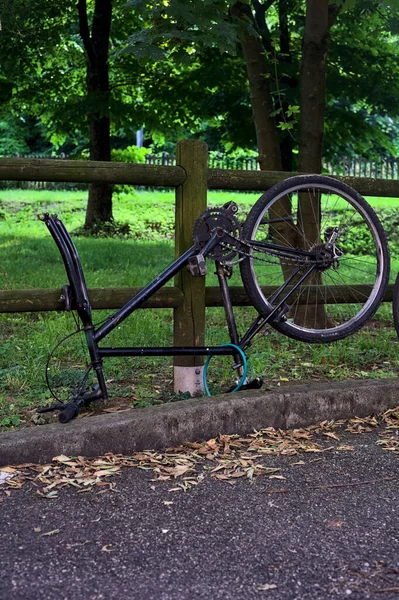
(198, 419)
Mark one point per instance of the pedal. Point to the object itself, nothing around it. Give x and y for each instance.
(254, 384)
(197, 266)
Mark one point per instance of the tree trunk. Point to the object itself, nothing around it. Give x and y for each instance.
(259, 87)
(262, 105)
(96, 44)
(313, 71)
(319, 18)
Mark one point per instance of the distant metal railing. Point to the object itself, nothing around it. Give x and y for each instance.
(348, 167)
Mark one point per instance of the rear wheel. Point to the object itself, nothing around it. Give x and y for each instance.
(350, 260)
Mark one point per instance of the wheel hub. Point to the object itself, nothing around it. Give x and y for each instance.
(324, 256)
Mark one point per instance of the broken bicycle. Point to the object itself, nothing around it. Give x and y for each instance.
(313, 259)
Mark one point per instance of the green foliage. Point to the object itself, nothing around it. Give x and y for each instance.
(390, 218)
(131, 154)
(10, 421)
(362, 85)
(102, 229)
(177, 68)
(180, 26)
(43, 61)
(368, 7)
(23, 135)
(12, 139)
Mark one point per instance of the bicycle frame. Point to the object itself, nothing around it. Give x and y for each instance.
(75, 295)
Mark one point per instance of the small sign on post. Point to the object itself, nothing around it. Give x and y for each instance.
(189, 317)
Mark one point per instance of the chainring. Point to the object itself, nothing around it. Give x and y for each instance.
(222, 220)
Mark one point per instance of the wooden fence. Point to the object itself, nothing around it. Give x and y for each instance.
(191, 177)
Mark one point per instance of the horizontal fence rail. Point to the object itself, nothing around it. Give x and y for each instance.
(62, 167)
(39, 300)
(385, 168)
(81, 171)
(19, 169)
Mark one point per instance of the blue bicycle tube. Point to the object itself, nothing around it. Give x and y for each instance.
(244, 364)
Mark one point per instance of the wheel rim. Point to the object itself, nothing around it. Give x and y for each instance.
(357, 276)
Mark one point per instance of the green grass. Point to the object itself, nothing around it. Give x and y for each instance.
(30, 259)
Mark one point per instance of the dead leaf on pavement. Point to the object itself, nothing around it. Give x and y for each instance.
(8, 470)
(52, 532)
(266, 587)
(335, 523)
(331, 434)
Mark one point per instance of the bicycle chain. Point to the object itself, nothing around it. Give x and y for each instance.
(285, 261)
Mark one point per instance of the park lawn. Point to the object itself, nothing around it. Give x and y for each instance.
(29, 259)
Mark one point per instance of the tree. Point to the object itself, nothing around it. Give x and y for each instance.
(214, 80)
(96, 44)
(55, 67)
(263, 52)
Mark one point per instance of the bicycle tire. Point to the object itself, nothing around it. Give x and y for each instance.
(395, 304)
(362, 271)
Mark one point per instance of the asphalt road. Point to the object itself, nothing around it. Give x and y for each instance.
(216, 540)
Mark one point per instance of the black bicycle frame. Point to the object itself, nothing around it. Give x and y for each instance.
(75, 295)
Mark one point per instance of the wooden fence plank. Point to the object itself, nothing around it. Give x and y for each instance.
(84, 171)
(37, 300)
(224, 179)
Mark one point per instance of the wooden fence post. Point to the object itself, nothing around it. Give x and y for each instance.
(189, 317)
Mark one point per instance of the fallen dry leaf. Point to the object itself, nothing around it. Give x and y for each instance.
(52, 532)
(62, 458)
(266, 587)
(335, 523)
(331, 434)
(8, 470)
